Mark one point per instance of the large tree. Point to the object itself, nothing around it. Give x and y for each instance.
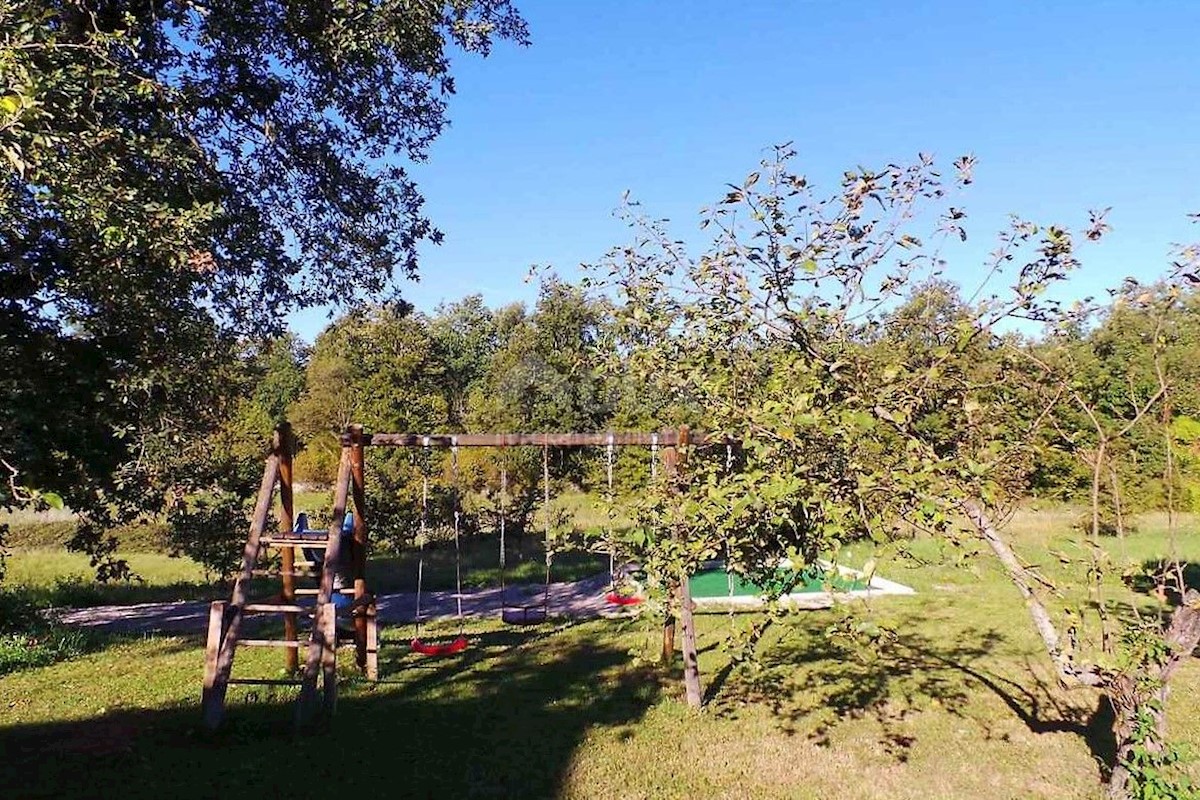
(177, 173)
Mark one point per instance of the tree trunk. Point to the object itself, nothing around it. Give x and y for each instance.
(691, 663)
(668, 638)
(1133, 694)
(1128, 700)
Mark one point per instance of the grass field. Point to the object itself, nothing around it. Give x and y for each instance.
(960, 703)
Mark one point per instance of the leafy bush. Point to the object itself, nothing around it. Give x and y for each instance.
(28, 638)
(27, 650)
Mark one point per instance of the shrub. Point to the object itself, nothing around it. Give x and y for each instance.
(28, 638)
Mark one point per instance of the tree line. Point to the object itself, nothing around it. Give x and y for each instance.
(465, 367)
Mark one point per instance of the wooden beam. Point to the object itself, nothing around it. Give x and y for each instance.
(212, 702)
(328, 619)
(665, 438)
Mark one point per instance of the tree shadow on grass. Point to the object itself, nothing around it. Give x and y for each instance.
(503, 726)
(813, 683)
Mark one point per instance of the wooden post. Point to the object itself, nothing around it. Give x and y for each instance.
(213, 700)
(284, 448)
(372, 667)
(328, 621)
(359, 487)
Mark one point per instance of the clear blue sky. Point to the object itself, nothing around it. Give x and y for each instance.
(1067, 105)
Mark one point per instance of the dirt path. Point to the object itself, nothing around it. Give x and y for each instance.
(579, 599)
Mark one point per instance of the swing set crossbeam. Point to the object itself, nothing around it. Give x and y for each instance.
(666, 438)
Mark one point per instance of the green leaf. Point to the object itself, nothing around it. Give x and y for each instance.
(53, 500)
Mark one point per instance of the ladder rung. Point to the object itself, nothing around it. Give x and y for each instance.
(270, 643)
(280, 541)
(317, 591)
(266, 681)
(279, 608)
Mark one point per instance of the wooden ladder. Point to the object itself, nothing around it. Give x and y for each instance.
(225, 617)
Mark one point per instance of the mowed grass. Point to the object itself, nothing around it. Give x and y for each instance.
(958, 702)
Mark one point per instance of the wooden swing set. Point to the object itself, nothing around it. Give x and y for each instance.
(322, 641)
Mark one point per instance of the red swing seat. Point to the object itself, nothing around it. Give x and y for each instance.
(439, 648)
(613, 598)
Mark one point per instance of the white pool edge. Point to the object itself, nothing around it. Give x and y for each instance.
(877, 587)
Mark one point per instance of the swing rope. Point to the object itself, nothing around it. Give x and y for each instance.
(549, 551)
(524, 614)
(728, 551)
(503, 516)
(613, 596)
(608, 526)
(424, 534)
(457, 516)
(458, 644)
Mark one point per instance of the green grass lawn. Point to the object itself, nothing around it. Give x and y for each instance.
(960, 703)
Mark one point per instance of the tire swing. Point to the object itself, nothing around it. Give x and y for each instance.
(529, 613)
(459, 643)
(624, 605)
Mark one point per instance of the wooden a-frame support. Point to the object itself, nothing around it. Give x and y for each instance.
(226, 617)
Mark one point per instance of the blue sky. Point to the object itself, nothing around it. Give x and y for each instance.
(1067, 106)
